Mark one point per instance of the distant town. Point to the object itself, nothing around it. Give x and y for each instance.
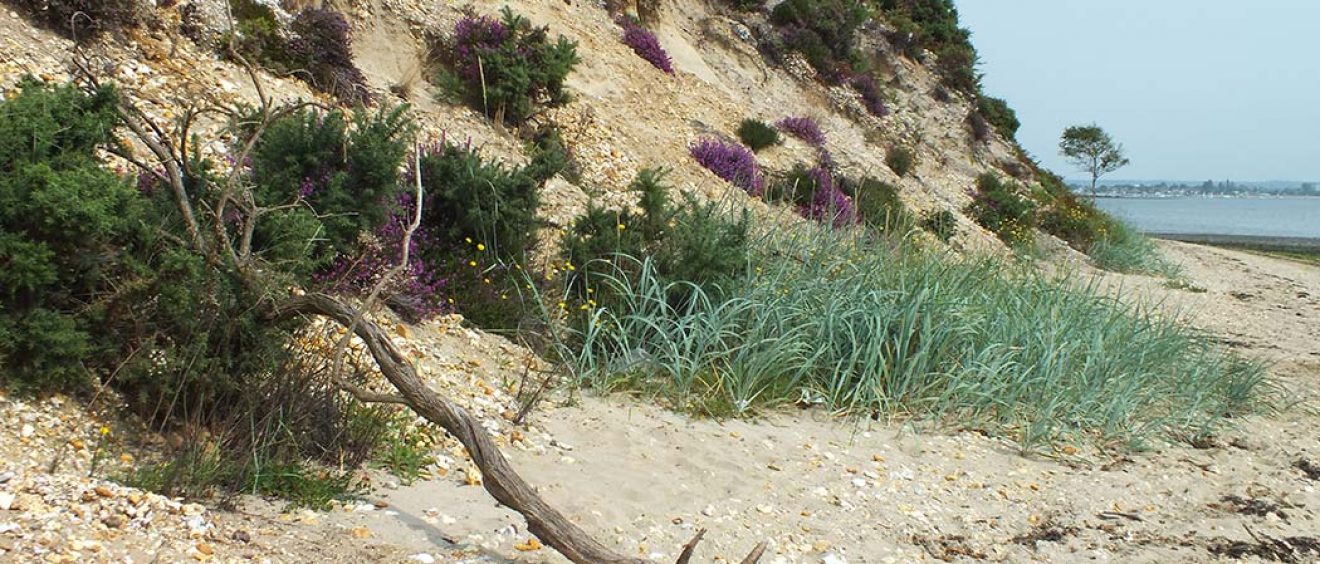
(1208, 188)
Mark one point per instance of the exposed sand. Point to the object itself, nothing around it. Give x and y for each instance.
(823, 490)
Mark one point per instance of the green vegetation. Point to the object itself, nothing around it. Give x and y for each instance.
(999, 115)
(879, 205)
(1092, 150)
(1121, 249)
(316, 47)
(832, 320)
(757, 134)
(691, 247)
(933, 25)
(943, 224)
(900, 160)
(505, 68)
(1004, 209)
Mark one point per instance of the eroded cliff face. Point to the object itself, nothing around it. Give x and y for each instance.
(624, 115)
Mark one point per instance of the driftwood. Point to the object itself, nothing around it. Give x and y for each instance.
(503, 483)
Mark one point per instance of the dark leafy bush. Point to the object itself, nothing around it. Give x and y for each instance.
(900, 160)
(1002, 208)
(66, 226)
(505, 68)
(646, 45)
(940, 223)
(1075, 220)
(730, 161)
(84, 19)
(878, 204)
(803, 128)
(344, 167)
(822, 30)
(486, 202)
(757, 134)
(691, 245)
(933, 24)
(1000, 115)
(797, 186)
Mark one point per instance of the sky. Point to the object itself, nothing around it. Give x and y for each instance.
(1193, 89)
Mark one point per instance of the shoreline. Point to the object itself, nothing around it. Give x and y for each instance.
(1306, 245)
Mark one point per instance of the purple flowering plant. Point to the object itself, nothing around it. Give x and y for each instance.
(730, 161)
(803, 128)
(646, 45)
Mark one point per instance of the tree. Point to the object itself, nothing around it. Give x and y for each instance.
(1092, 151)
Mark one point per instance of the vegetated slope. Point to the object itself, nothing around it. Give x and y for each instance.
(625, 115)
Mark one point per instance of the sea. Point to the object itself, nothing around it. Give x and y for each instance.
(1293, 217)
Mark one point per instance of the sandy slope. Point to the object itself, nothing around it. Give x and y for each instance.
(818, 489)
(825, 490)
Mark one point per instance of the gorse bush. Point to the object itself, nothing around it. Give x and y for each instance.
(757, 134)
(690, 245)
(942, 224)
(803, 128)
(999, 114)
(346, 167)
(730, 161)
(66, 226)
(506, 67)
(646, 45)
(835, 321)
(933, 24)
(900, 160)
(822, 30)
(878, 204)
(1002, 208)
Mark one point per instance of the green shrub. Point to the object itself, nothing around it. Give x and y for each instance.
(66, 226)
(933, 24)
(823, 31)
(690, 244)
(345, 167)
(900, 160)
(757, 134)
(84, 19)
(832, 320)
(879, 204)
(1002, 208)
(507, 68)
(486, 202)
(797, 186)
(941, 223)
(1002, 117)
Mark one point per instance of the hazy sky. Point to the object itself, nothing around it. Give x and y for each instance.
(1194, 89)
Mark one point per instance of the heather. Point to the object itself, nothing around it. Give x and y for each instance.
(730, 161)
(505, 68)
(646, 45)
(804, 128)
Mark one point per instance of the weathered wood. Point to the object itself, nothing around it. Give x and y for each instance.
(544, 521)
(498, 477)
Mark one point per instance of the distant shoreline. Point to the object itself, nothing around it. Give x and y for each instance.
(1301, 245)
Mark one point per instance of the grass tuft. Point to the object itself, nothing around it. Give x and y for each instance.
(826, 318)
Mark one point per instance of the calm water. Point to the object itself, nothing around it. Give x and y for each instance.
(1274, 217)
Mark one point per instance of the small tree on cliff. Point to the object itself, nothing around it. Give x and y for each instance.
(1093, 151)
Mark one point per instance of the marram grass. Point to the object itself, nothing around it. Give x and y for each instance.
(839, 320)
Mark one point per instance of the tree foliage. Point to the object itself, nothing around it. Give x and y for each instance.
(1092, 150)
